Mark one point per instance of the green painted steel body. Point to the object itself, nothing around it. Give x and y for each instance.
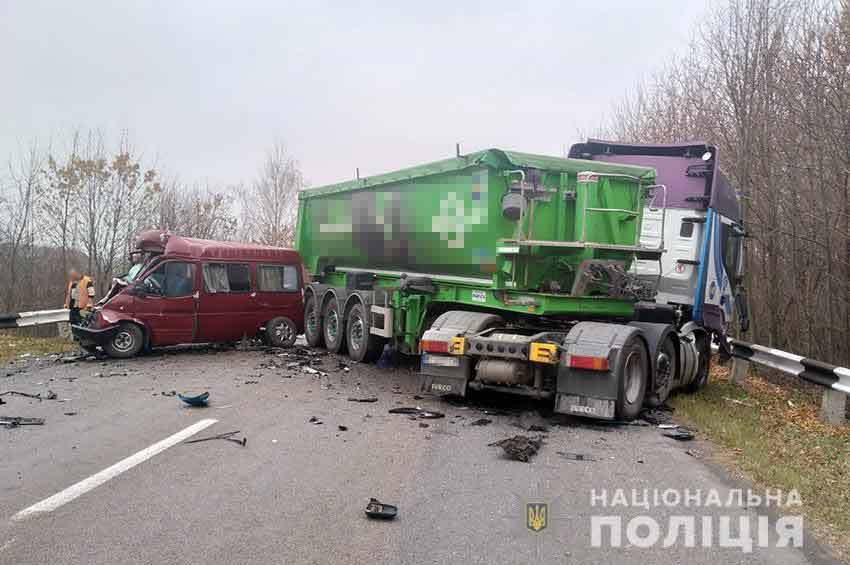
(446, 220)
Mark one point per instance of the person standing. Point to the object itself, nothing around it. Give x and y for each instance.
(79, 295)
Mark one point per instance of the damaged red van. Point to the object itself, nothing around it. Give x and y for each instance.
(198, 291)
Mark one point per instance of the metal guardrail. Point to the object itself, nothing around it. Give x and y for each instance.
(26, 319)
(834, 379)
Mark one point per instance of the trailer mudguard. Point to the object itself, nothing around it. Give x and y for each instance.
(449, 374)
(592, 393)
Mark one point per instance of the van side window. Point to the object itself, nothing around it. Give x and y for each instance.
(277, 278)
(226, 277)
(172, 279)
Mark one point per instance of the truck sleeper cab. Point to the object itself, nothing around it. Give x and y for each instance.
(200, 291)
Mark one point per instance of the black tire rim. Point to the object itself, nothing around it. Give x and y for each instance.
(123, 341)
(283, 332)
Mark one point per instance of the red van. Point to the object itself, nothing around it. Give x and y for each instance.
(199, 291)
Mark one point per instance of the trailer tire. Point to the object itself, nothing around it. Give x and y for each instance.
(333, 326)
(312, 322)
(632, 376)
(363, 346)
(704, 363)
(127, 342)
(665, 373)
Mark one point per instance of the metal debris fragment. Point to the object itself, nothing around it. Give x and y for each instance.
(519, 448)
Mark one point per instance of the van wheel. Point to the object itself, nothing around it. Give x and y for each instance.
(363, 346)
(333, 327)
(127, 342)
(281, 332)
(312, 322)
(632, 374)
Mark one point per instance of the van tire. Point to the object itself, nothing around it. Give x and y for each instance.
(312, 322)
(127, 342)
(281, 332)
(363, 346)
(632, 373)
(333, 326)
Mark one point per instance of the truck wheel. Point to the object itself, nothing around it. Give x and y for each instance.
(632, 375)
(281, 332)
(333, 327)
(127, 342)
(363, 346)
(665, 374)
(703, 364)
(312, 322)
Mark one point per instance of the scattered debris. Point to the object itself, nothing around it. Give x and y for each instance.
(342, 428)
(364, 399)
(667, 426)
(417, 397)
(579, 456)
(481, 422)
(315, 421)
(680, 434)
(24, 394)
(15, 421)
(742, 403)
(519, 448)
(378, 510)
(661, 415)
(252, 382)
(417, 412)
(70, 413)
(196, 401)
(694, 453)
(169, 393)
(51, 395)
(423, 425)
(226, 436)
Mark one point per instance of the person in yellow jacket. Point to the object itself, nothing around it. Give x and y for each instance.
(79, 296)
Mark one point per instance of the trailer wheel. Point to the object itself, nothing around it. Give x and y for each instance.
(665, 374)
(632, 375)
(281, 332)
(363, 346)
(312, 322)
(333, 327)
(703, 346)
(127, 342)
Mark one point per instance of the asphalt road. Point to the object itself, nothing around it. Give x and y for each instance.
(297, 492)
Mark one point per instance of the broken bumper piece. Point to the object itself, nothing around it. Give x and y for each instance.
(89, 336)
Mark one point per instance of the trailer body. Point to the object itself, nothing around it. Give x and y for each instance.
(505, 271)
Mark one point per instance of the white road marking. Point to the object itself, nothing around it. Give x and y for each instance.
(52, 503)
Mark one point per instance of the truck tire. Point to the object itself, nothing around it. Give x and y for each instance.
(312, 322)
(665, 374)
(333, 326)
(632, 375)
(281, 332)
(704, 363)
(127, 342)
(362, 345)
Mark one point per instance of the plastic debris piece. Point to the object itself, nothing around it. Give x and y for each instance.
(364, 399)
(519, 448)
(680, 434)
(196, 401)
(315, 421)
(380, 511)
(579, 456)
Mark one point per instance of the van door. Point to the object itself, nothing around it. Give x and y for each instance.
(225, 309)
(279, 293)
(168, 303)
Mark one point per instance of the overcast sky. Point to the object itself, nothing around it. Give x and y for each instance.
(205, 88)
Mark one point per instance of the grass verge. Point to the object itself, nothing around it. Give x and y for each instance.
(773, 437)
(13, 346)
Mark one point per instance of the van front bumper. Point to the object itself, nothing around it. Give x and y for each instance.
(90, 337)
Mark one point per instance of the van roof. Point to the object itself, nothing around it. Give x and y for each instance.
(176, 245)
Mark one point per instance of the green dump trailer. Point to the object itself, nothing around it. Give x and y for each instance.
(505, 271)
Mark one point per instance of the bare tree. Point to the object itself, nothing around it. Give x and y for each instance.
(269, 206)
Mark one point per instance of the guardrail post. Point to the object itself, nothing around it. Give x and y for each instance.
(833, 406)
(739, 371)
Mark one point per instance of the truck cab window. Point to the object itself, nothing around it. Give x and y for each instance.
(277, 278)
(226, 277)
(172, 279)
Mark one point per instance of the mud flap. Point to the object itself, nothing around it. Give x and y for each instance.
(588, 393)
(444, 374)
